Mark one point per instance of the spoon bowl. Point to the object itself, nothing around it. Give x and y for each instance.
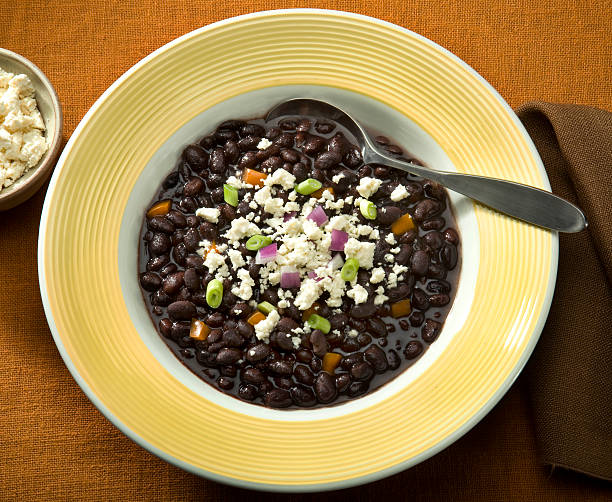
(520, 201)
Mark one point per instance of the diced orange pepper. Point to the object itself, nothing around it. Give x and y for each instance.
(314, 308)
(253, 177)
(319, 193)
(331, 360)
(159, 208)
(211, 249)
(199, 330)
(255, 317)
(403, 224)
(401, 308)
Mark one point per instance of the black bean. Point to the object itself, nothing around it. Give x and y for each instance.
(362, 371)
(377, 327)
(188, 204)
(182, 310)
(196, 157)
(339, 143)
(253, 375)
(434, 190)
(324, 127)
(165, 325)
(426, 209)
(172, 283)
(394, 149)
(287, 124)
(193, 187)
(303, 375)
(272, 163)
(228, 355)
(352, 157)
(304, 355)
(403, 256)
(350, 360)
(290, 156)
(247, 392)
(315, 364)
(171, 180)
(430, 330)
(226, 212)
(382, 140)
(252, 129)
(157, 262)
(419, 263)
(419, 300)
(363, 310)
(325, 387)
(160, 224)
(377, 359)
(399, 292)
(439, 286)
(161, 298)
(177, 218)
(282, 341)
(393, 360)
(302, 396)
(433, 239)
(319, 343)
(433, 223)
(257, 353)
(217, 161)
(284, 140)
(278, 398)
(416, 318)
(436, 271)
(300, 171)
(448, 255)
(380, 250)
(191, 279)
(313, 145)
(248, 143)
(215, 336)
(327, 160)
(215, 320)
(150, 281)
(248, 160)
(364, 171)
(338, 321)
(231, 338)
(225, 383)
(439, 300)
(273, 133)
(363, 339)
(357, 389)
(222, 135)
(413, 349)
(286, 324)
(159, 244)
(179, 330)
(343, 380)
(382, 172)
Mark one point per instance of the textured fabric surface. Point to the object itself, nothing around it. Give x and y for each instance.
(54, 444)
(570, 371)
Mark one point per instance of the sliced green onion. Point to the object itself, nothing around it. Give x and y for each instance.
(349, 269)
(230, 194)
(265, 307)
(308, 186)
(317, 322)
(258, 241)
(368, 209)
(214, 293)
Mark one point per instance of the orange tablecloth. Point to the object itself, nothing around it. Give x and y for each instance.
(54, 444)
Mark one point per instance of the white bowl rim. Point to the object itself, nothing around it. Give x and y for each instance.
(454, 436)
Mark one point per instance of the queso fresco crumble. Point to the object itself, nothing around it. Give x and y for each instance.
(285, 272)
(22, 141)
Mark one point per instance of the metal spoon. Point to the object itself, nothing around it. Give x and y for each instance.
(520, 201)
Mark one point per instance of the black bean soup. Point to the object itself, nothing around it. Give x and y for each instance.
(284, 272)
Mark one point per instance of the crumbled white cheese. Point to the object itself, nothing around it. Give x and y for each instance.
(364, 230)
(389, 258)
(399, 193)
(390, 239)
(264, 143)
(379, 299)
(296, 340)
(368, 186)
(353, 333)
(241, 227)
(398, 269)
(208, 213)
(233, 181)
(309, 292)
(245, 290)
(264, 328)
(213, 261)
(362, 251)
(263, 194)
(358, 293)
(281, 177)
(275, 206)
(392, 280)
(22, 141)
(312, 230)
(378, 275)
(395, 250)
(236, 258)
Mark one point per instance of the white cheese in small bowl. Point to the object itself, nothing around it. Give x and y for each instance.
(22, 139)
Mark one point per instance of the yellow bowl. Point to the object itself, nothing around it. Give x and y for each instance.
(394, 80)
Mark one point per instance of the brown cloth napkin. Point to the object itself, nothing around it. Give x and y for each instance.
(570, 372)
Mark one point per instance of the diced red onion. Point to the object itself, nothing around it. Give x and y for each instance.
(317, 215)
(338, 240)
(289, 215)
(313, 275)
(290, 278)
(336, 262)
(266, 254)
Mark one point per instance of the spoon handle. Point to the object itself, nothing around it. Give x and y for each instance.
(524, 202)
